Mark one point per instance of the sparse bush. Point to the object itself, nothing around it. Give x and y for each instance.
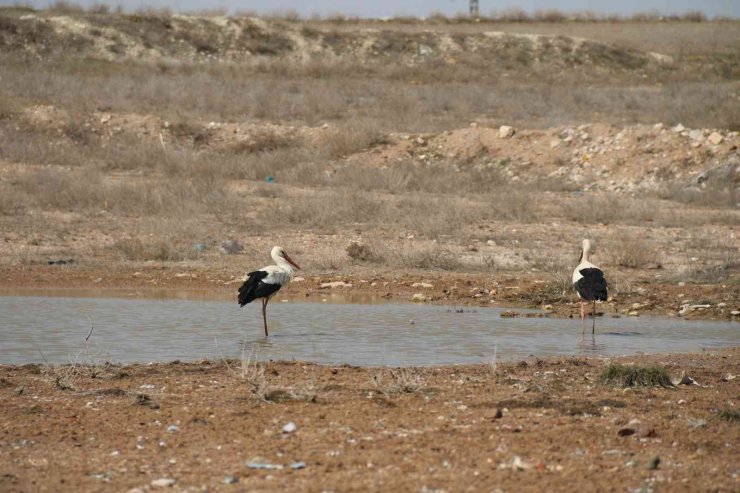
(627, 250)
(729, 415)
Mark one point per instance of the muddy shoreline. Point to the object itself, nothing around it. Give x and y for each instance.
(517, 289)
(528, 426)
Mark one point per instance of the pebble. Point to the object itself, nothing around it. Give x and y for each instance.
(422, 285)
(163, 482)
(505, 132)
(173, 428)
(418, 297)
(230, 480)
(289, 427)
(336, 284)
(715, 138)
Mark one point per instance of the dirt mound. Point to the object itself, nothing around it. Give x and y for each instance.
(119, 37)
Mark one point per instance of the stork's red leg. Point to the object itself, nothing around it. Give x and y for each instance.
(583, 318)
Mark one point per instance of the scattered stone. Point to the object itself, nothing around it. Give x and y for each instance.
(422, 285)
(625, 432)
(554, 143)
(506, 132)
(230, 480)
(634, 314)
(696, 135)
(685, 380)
(653, 463)
(173, 428)
(510, 314)
(298, 465)
(715, 138)
(289, 427)
(163, 482)
(335, 284)
(419, 297)
(231, 247)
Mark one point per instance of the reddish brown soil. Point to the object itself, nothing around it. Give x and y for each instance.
(105, 428)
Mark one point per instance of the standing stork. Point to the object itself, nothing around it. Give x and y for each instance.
(267, 281)
(590, 284)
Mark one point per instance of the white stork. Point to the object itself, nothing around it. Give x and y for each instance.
(267, 281)
(590, 284)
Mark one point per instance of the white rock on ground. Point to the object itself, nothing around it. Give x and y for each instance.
(505, 131)
(715, 138)
(163, 482)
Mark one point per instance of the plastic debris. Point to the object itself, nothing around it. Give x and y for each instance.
(269, 179)
(200, 247)
(264, 465)
(173, 428)
(298, 465)
(686, 380)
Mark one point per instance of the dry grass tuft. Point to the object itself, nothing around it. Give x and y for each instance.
(628, 250)
(636, 376)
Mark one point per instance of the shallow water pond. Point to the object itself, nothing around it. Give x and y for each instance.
(53, 329)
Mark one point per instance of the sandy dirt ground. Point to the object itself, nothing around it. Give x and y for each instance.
(535, 425)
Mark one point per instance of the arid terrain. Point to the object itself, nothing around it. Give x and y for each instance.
(553, 424)
(436, 161)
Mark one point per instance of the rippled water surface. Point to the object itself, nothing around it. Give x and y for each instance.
(53, 329)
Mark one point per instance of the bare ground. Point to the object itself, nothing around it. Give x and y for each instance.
(530, 426)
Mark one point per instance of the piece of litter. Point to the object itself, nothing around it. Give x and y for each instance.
(263, 465)
(298, 465)
(290, 427)
(686, 380)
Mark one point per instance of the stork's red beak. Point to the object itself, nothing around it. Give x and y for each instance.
(290, 261)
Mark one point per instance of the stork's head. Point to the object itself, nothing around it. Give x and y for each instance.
(279, 256)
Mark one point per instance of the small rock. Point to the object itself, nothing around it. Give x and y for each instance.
(678, 128)
(230, 480)
(163, 482)
(231, 247)
(548, 308)
(418, 297)
(173, 428)
(554, 143)
(422, 285)
(505, 132)
(633, 314)
(335, 284)
(696, 135)
(654, 463)
(715, 138)
(289, 427)
(298, 465)
(625, 432)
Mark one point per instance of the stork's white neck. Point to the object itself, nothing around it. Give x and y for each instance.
(283, 264)
(585, 251)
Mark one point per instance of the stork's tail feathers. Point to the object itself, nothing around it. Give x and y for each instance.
(248, 290)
